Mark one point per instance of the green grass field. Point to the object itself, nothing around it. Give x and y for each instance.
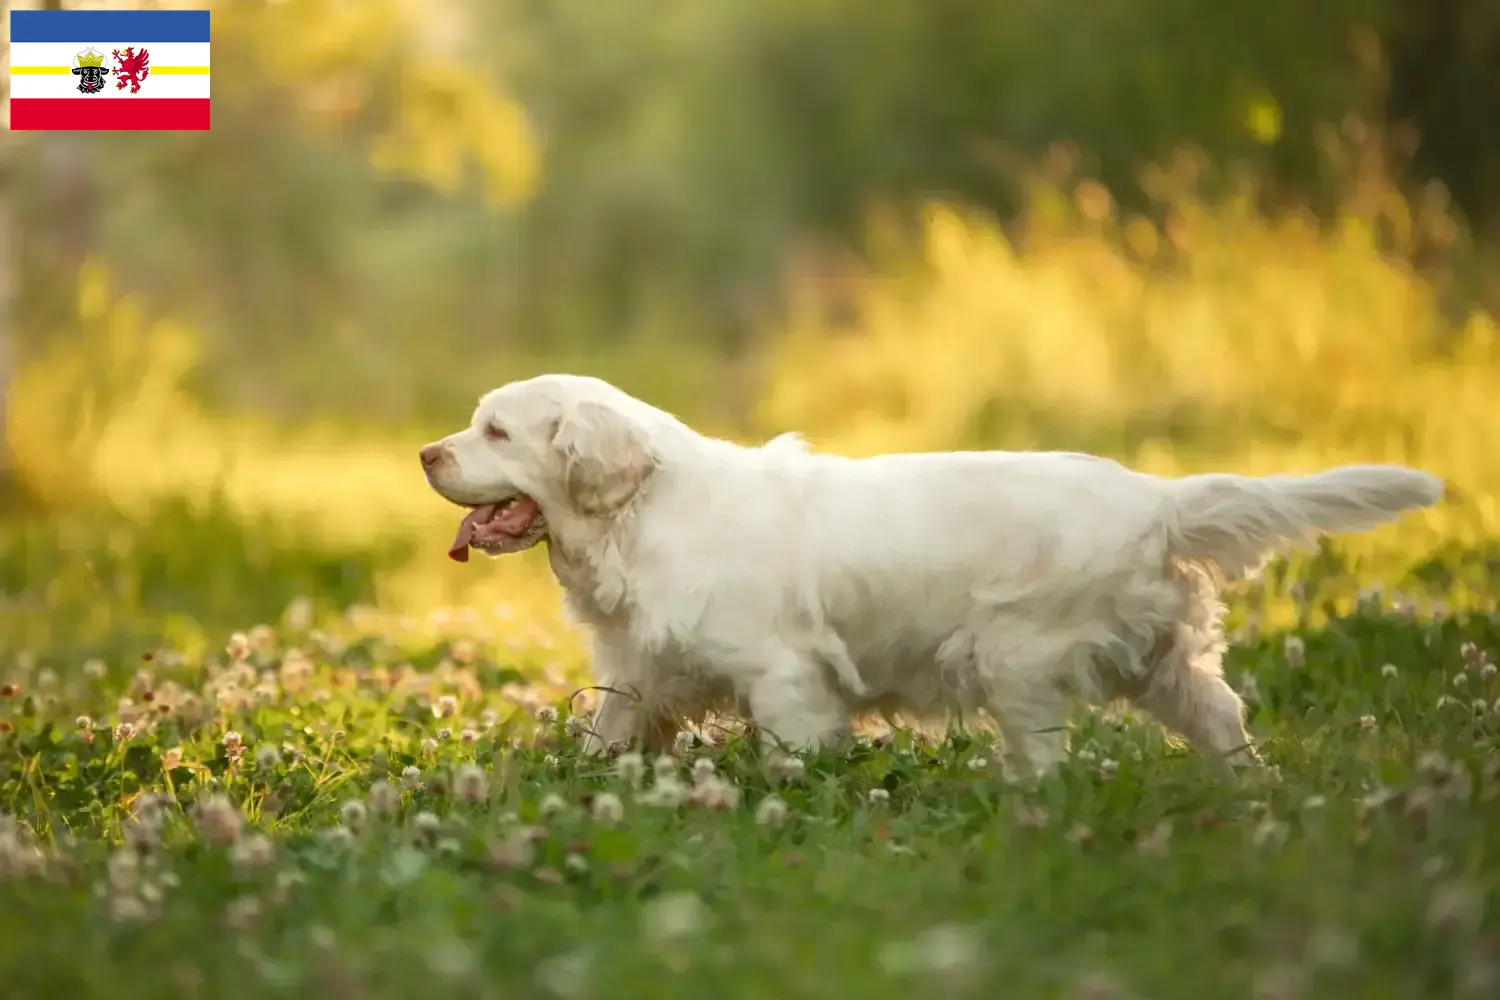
(332, 805)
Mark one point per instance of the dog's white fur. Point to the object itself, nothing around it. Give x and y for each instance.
(803, 588)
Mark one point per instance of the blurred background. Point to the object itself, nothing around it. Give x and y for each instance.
(1251, 235)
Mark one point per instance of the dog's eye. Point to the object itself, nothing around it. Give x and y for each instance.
(495, 433)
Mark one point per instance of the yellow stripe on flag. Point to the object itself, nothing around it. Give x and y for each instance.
(155, 70)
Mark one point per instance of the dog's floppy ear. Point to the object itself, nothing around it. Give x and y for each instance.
(606, 457)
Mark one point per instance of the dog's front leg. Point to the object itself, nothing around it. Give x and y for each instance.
(617, 713)
(620, 718)
(793, 703)
(617, 718)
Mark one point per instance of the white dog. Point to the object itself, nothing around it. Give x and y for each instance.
(800, 589)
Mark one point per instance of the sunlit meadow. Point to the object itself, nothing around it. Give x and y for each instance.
(258, 737)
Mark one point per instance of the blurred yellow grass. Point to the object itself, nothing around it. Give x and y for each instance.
(1222, 340)
(1229, 341)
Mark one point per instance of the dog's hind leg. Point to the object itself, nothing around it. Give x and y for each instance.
(1030, 677)
(1192, 697)
(1033, 718)
(1026, 696)
(1183, 685)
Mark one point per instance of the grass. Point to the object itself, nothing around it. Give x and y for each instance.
(296, 813)
(307, 811)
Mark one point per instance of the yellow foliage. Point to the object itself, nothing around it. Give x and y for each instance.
(444, 121)
(1223, 340)
(338, 56)
(1263, 119)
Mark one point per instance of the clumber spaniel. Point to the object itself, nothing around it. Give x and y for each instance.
(799, 589)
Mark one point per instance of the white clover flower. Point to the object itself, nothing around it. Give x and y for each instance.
(673, 916)
(1250, 689)
(1455, 907)
(1157, 842)
(576, 726)
(608, 808)
(253, 852)
(715, 793)
(879, 796)
(552, 805)
(771, 812)
(785, 767)
(516, 851)
(668, 793)
(472, 784)
(239, 647)
(631, 769)
(338, 836)
(1269, 833)
(702, 768)
(383, 798)
(1295, 650)
(947, 950)
(218, 818)
(353, 814)
(546, 715)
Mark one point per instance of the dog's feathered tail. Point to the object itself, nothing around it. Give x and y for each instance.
(1232, 523)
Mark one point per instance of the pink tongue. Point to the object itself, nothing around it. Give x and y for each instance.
(459, 550)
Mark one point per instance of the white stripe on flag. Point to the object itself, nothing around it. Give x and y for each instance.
(62, 53)
(24, 85)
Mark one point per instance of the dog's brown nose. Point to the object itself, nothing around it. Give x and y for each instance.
(431, 454)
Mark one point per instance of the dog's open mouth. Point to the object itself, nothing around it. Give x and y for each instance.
(512, 525)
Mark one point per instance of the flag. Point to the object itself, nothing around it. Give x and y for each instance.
(109, 69)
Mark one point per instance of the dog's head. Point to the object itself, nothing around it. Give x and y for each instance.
(556, 448)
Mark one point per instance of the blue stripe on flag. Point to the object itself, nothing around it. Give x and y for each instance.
(108, 26)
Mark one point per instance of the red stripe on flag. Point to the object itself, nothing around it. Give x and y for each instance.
(57, 113)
